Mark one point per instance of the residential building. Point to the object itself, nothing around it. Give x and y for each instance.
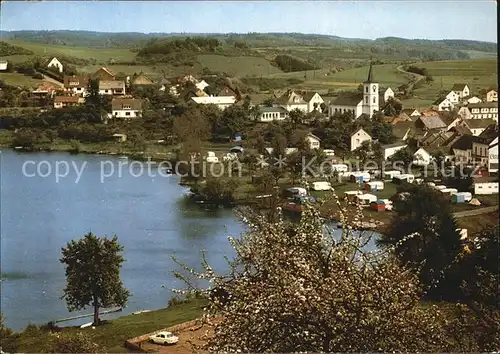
(492, 96)
(464, 112)
(477, 126)
(462, 148)
(76, 84)
(54, 63)
(428, 123)
(490, 134)
(358, 103)
(46, 89)
(269, 114)
(443, 104)
(358, 137)
(313, 141)
(291, 100)
(202, 85)
(390, 149)
(453, 96)
(484, 110)
(220, 101)
(474, 99)
(3, 65)
(126, 108)
(461, 90)
(67, 101)
(111, 87)
(402, 130)
(142, 80)
(313, 101)
(412, 113)
(388, 93)
(401, 117)
(422, 157)
(104, 74)
(485, 185)
(493, 156)
(451, 120)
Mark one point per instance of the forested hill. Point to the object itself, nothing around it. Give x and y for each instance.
(401, 47)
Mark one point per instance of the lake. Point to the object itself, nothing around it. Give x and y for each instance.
(41, 212)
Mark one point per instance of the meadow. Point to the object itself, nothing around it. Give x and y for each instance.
(238, 66)
(478, 74)
(21, 80)
(97, 55)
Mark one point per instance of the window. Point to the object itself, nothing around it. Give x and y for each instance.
(366, 99)
(374, 88)
(366, 89)
(127, 107)
(374, 99)
(127, 113)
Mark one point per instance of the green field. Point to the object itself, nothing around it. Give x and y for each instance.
(238, 66)
(478, 74)
(114, 334)
(101, 56)
(21, 80)
(322, 79)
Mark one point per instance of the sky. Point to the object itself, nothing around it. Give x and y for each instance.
(445, 19)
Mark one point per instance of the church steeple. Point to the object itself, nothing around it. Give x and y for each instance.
(370, 75)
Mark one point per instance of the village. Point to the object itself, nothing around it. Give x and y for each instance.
(461, 128)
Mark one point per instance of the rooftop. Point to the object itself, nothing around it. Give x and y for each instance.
(123, 103)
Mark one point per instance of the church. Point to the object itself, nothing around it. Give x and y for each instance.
(361, 103)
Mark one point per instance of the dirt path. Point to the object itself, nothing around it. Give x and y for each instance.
(484, 210)
(412, 83)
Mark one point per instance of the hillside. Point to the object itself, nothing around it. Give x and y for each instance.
(400, 48)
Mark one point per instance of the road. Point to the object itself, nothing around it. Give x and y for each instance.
(416, 76)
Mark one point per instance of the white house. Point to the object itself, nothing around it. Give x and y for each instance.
(388, 94)
(358, 103)
(111, 87)
(313, 141)
(126, 108)
(269, 114)
(67, 101)
(492, 96)
(477, 126)
(313, 100)
(76, 84)
(55, 63)
(391, 149)
(485, 187)
(3, 65)
(493, 156)
(443, 104)
(291, 100)
(412, 112)
(421, 157)
(202, 85)
(453, 96)
(464, 112)
(222, 102)
(484, 110)
(358, 137)
(474, 99)
(462, 90)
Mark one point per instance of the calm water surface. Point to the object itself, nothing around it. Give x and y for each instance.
(39, 216)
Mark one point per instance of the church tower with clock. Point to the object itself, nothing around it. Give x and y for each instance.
(370, 94)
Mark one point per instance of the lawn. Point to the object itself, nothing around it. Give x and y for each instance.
(238, 66)
(100, 55)
(22, 80)
(114, 334)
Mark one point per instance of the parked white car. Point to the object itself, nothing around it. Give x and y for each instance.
(164, 338)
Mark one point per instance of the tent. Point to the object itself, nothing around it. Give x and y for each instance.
(475, 202)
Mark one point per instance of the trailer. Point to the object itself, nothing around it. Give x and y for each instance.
(461, 197)
(374, 186)
(389, 175)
